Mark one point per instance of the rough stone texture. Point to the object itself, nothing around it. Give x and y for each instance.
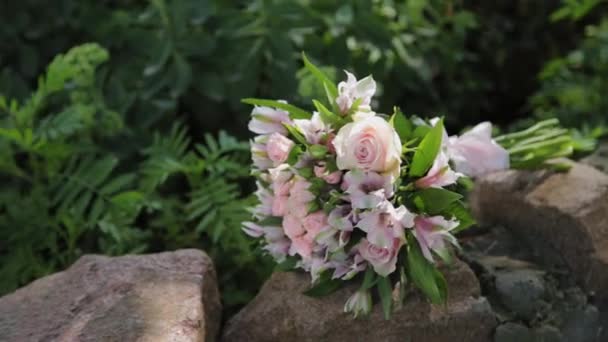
(513, 332)
(568, 211)
(521, 291)
(280, 312)
(599, 158)
(169, 296)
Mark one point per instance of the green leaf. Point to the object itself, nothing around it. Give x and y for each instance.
(294, 154)
(295, 133)
(402, 125)
(435, 200)
(287, 265)
(463, 215)
(327, 115)
(369, 279)
(330, 87)
(325, 286)
(386, 296)
(318, 151)
(423, 273)
(294, 112)
(427, 150)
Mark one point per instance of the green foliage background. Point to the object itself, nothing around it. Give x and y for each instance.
(122, 131)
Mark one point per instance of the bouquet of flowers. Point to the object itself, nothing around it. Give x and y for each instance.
(348, 194)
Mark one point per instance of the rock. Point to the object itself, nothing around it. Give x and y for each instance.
(566, 211)
(280, 312)
(582, 325)
(169, 296)
(513, 332)
(547, 333)
(521, 291)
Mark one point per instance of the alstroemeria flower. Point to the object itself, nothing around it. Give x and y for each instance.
(385, 236)
(352, 90)
(475, 153)
(266, 120)
(440, 174)
(432, 233)
(277, 244)
(320, 171)
(360, 303)
(266, 199)
(366, 190)
(347, 265)
(370, 145)
(259, 154)
(313, 128)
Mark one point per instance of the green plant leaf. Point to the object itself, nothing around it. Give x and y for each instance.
(369, 279)
(327, 115)
(330, 87)
(427, 150)
(402, 125)
(325, 286)
(294, 112)
(435, 200)
(423, 273)
(386, 296)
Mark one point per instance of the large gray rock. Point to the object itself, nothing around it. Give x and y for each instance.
(568, 211)
(169, 296)
(280, 312)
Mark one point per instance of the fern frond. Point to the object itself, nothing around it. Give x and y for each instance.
(225, 156)
(165, 157)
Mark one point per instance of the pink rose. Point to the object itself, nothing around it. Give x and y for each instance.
(370, 144)
(382, 258)
(301, 246)
(278, 148)
(331, 178)
(314, 223)
(475, 153)
(292, 226)
(279, 206)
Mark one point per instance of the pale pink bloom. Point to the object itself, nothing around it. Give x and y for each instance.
(382, 258)
(370, 145)
(351, 90)
(440, 174)
(313, 128)
(259, 154)
(301, 246)
(475, 153)
(360, 303)
(293, 227)
(299, 197)
(359, 116)
(253, 229)
(385, 236)
(341, 218)
(278, 148)
(266, 120)
(347, 266)
(278, 249)
(331, 178)
(317, 266)
(366, 190)
(280, 178)
(279, 205)
(432, 233)
(314, 223)
(266, 199)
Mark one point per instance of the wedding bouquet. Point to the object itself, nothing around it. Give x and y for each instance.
(348, 194)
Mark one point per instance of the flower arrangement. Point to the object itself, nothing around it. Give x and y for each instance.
(347, 194)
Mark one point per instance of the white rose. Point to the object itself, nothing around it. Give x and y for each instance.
(370, 144)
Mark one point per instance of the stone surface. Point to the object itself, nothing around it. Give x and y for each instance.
(547, 333)
(599, 158)
(280, 312)
(582, 325)
(566, 211)
(169, 296)
(521, 291)
(513, 332)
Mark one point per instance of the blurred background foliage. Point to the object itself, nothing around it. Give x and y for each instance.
(122, 131)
